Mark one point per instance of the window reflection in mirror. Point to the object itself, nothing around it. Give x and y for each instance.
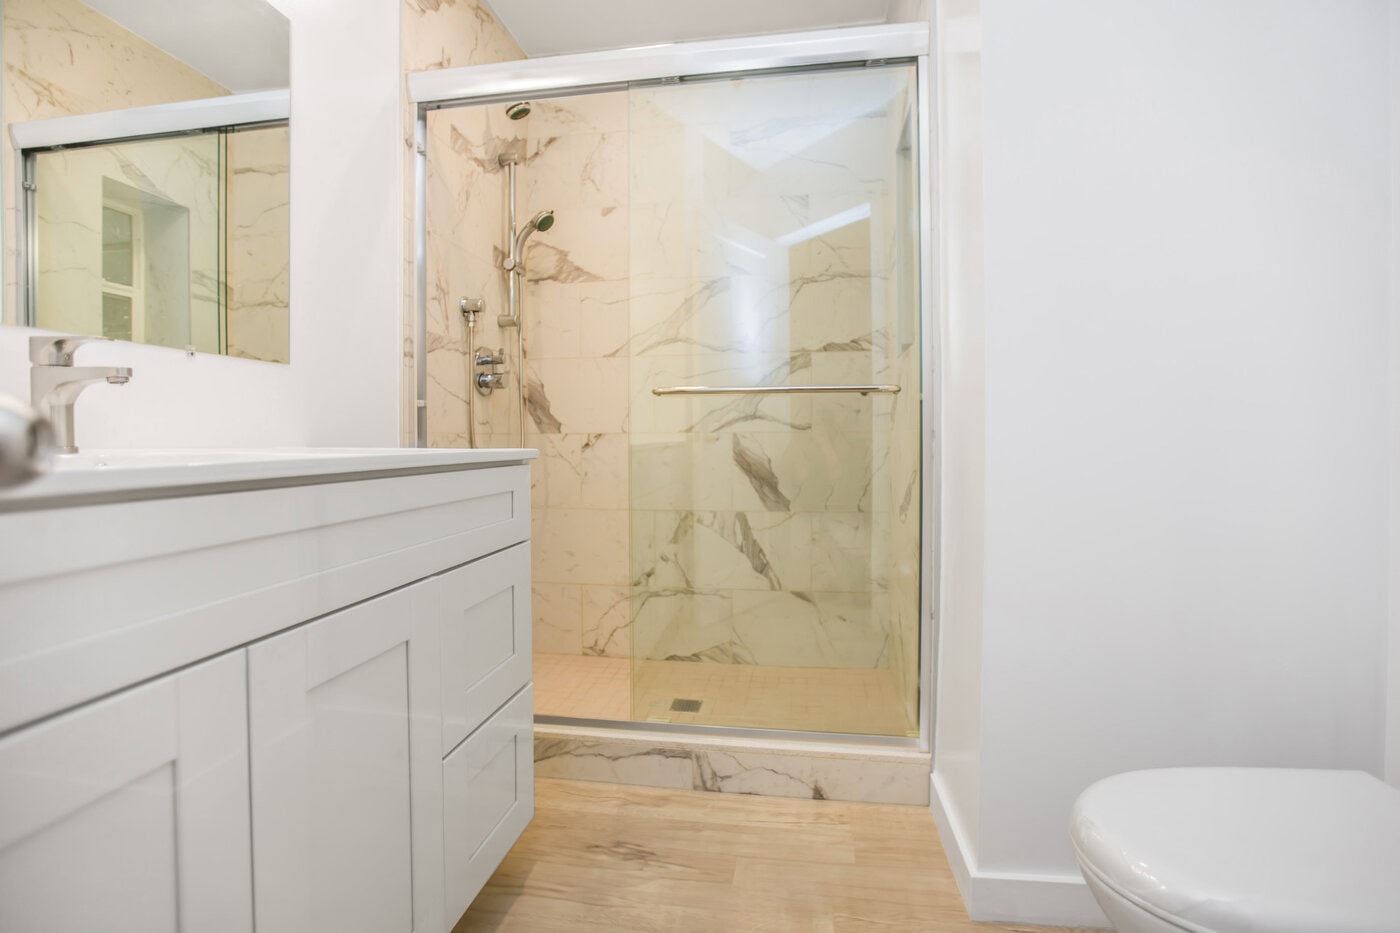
(180, 241)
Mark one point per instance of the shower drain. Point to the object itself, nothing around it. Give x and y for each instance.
(685, 706)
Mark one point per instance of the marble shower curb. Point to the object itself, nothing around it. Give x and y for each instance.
(769, 768)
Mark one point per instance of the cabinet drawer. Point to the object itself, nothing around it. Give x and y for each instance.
(488, 799)
(484, 612)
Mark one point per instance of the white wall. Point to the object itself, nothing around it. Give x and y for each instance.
(1187, 261)
(1392, 758)
(341, 388)
(957, 742)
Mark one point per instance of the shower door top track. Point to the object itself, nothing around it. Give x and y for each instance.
(558, 75)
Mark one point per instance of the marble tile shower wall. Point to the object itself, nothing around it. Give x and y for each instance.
(764, 530)
(755, 531)
(573, 161)
(443, 34)
(577, 347)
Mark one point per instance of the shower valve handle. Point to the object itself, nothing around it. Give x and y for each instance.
(487, 358)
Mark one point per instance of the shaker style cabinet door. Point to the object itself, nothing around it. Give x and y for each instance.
(347, 799)
(131, 813)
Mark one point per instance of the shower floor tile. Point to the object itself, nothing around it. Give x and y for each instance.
(806, 699)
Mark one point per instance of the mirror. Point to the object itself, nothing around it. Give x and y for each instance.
(131, 229)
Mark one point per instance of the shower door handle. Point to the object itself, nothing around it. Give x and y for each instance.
(776, 390)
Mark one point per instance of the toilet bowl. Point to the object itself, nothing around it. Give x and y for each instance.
(1229, 850)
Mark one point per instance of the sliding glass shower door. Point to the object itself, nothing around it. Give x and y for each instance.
(774, 422)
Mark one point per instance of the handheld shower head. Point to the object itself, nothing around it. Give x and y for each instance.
(541, 221)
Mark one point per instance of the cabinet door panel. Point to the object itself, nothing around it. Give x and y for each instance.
(489, 799)
(344, 719)
(485, 609)
(132, 813)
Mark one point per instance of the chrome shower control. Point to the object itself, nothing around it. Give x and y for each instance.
(488, 382)
(489, 376)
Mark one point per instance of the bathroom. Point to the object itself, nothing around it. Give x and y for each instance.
(1156, 455)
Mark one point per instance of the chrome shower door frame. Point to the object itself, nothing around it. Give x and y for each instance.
(616, 70)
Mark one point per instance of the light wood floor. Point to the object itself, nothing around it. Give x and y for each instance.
(604, 857)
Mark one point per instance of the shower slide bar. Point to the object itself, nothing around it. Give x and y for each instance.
(773, 390)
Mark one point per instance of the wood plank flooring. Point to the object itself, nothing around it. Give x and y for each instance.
(607, 857)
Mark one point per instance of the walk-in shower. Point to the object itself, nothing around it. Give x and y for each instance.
(722, 354)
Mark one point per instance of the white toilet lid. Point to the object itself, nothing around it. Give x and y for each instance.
(1227, 849)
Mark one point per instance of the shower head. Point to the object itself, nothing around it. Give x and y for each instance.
(541, 221)
(518, 110)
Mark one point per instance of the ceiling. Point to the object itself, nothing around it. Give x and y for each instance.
(556, 27)
(241, 44)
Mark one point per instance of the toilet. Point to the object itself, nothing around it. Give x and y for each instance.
(1227, 850)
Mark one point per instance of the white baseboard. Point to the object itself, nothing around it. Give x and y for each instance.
(1001, 897)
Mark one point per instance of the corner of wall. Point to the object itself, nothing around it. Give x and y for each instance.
(999, 897)
(962, 415)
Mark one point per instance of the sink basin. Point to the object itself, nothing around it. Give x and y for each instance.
(124, 475)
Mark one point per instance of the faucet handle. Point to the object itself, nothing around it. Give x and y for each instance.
(58, 351)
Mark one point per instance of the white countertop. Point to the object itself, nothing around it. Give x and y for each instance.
(124, 475)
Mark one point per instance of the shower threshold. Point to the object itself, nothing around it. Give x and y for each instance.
(584, 730)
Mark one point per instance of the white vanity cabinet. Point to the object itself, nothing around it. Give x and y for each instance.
(330, 727)
(392, 753)
(347, 828)
(131, 813)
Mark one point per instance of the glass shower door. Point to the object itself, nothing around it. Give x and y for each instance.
(774, 420)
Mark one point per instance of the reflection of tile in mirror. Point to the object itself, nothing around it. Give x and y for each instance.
(66, 57)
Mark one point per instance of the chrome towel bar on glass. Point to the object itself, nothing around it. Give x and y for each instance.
(772, 390)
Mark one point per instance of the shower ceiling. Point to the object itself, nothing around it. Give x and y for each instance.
(556, 27)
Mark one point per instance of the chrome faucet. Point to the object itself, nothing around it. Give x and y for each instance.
(55, 383)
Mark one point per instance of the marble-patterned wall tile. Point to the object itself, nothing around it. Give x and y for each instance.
(842, 549)
(557, 618)
(810, 471)
(581, 546)
(258, 203)
(452, 33)
(587, 319)
(813, 628)
(578, 396)
(581, 247)
(679, 624)
(575, 167)
(580, 115)
(723, 550)
(444, 34)
(681, 471)
(606, 621)
(585, 471)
